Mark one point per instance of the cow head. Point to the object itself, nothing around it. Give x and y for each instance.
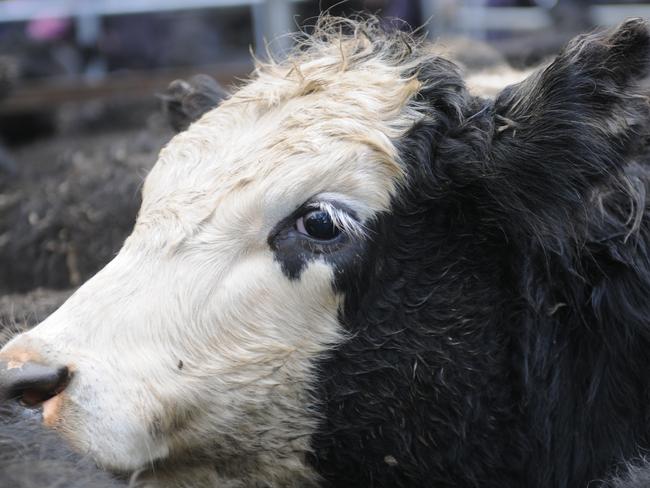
(198, 344)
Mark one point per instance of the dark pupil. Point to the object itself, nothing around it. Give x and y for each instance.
(319, 225)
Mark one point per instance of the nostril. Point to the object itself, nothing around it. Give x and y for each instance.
(32, 383)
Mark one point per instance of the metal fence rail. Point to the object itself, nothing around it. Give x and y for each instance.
(15, 10)
(475, 18)
(271, 18)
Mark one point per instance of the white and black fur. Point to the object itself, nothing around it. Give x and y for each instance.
(479, 320)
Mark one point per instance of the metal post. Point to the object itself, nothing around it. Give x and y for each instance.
(272, 21)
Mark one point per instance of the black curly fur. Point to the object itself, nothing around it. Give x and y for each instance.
(502, 325)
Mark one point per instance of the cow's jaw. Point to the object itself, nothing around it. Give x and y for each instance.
(226, 384)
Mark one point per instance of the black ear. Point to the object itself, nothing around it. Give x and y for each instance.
(185, 101)
(570, 127)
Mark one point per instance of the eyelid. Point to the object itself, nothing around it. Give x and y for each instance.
(344, 210)
(341, 218)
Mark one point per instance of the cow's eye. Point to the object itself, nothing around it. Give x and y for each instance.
(319, 225)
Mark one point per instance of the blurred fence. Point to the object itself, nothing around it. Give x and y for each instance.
(271, 18)
(477, 18)
(90, 72)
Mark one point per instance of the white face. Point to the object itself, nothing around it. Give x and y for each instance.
(200, 338)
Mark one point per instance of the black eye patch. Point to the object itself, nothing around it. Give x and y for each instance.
(295, 246)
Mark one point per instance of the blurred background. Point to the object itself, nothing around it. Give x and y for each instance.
(80, 122)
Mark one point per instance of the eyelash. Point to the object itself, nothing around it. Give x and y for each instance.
(347, 223)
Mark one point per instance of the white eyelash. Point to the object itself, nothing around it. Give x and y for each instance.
(341, 219)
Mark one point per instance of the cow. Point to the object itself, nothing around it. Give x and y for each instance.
(356, 270)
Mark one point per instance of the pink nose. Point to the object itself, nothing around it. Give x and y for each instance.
(32, 383)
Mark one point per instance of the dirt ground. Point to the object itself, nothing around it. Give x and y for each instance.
(68, 207)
